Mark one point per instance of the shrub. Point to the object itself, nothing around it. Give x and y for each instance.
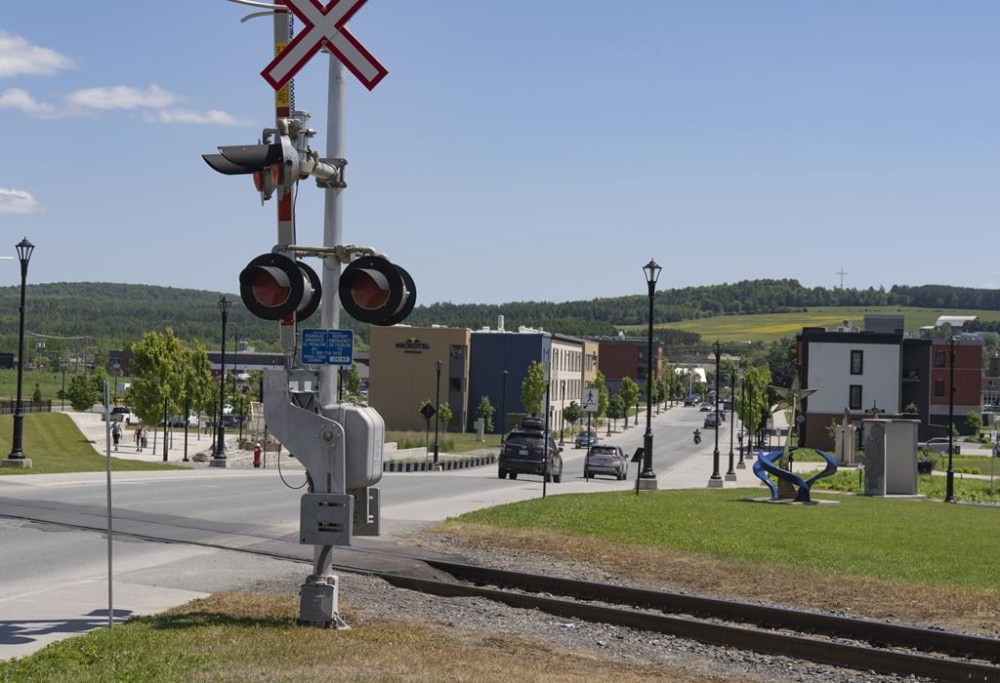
(925, 465)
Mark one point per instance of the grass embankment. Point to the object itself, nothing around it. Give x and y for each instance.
(54, 444)
(239, 637)
(448, 442)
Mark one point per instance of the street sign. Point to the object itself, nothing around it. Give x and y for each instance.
(591, 399)
(327, 347)
(427, 411)
(323, 28)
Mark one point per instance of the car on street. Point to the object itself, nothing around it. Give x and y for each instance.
(585, 439)
(711, 421)
(939, 444)
(523, 452)
(692, 400)
(179, 421)
(123, 414)
(605, 460)
(705, 408)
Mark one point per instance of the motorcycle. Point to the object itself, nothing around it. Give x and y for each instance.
(697, 437)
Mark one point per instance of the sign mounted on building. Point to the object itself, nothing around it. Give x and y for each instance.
(324, 28)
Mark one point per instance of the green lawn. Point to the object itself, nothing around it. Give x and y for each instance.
(916, 540)
(54, 444)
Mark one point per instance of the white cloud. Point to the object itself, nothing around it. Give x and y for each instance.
(122, 97)
(212, 116)
(17, 202)
(15, 98)
(19, 57)
(156, 102)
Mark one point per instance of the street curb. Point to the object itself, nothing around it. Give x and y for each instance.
(451, 463)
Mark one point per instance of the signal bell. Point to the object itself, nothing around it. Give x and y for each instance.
(375, 291)
(274, 286)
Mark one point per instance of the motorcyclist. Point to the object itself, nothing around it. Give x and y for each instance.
(697, 436)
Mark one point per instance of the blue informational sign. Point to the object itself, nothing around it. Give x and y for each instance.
(327, 347)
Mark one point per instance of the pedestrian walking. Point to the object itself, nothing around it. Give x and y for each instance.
(116, 434)
(143, 438)
(138, 439)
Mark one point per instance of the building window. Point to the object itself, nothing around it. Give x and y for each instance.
(939, 388)
(855, 398)
(857, 362)
(939, 359)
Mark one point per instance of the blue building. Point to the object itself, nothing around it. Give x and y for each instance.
(498, 365)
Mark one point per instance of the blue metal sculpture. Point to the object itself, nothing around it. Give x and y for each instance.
(765, 465)
(766, 462)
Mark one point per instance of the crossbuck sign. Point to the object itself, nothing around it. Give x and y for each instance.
(324, 28)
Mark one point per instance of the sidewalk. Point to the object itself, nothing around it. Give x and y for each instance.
(199, 444)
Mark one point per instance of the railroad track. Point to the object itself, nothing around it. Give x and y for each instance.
(860, 644)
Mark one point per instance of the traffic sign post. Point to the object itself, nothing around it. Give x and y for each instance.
(324, 28)
(327, 347)
(590, 400)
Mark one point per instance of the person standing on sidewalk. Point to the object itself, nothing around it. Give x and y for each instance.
(116, 434)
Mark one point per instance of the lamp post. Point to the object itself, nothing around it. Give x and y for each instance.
(743, 403)
(647, 477)
(949, 496)
(715, 481)
(437, 412)
(16, 457)
(219, 460)
(731, 473)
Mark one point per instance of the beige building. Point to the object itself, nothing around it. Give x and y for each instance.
(404, 372)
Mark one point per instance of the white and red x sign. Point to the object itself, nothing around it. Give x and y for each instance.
(324, 27)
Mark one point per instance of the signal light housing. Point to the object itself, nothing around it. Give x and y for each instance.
(274, 286)
(373, 290)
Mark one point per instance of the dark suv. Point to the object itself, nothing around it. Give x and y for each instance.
(523, 452)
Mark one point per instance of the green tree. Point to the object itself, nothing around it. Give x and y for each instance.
(974, 421)
(533, 388)
(158, 375)
(485, 411)
(82, 393)
(445, 415)
(601, 384)
(196, 383)
(629, 395)
(354, 380)
(754, 405)
(572, 413)
(616, 410)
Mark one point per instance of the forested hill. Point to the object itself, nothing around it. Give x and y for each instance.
(122, 313)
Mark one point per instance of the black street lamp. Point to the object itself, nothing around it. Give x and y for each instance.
(731, 473)
(437, 411)
(743, 403)
(652, 272)
(16, 456)
(715, 480)
(949, 496)
(220, 446)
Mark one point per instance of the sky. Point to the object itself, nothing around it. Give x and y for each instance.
(525, 150)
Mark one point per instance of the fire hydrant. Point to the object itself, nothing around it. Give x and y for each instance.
(256, 455)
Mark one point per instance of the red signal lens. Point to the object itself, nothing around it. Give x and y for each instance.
(267, 290)
(367, 292)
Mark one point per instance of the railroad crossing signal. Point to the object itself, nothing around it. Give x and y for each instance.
(324, 28)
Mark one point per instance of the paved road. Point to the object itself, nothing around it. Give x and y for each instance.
(56, 579)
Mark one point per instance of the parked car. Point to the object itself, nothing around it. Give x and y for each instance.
(711, 421)
(523, 452)
(692, 400)
(705, 408)
(122, 414)
(585, 439)
(939, 444)
(179, 421)
(605, 460)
